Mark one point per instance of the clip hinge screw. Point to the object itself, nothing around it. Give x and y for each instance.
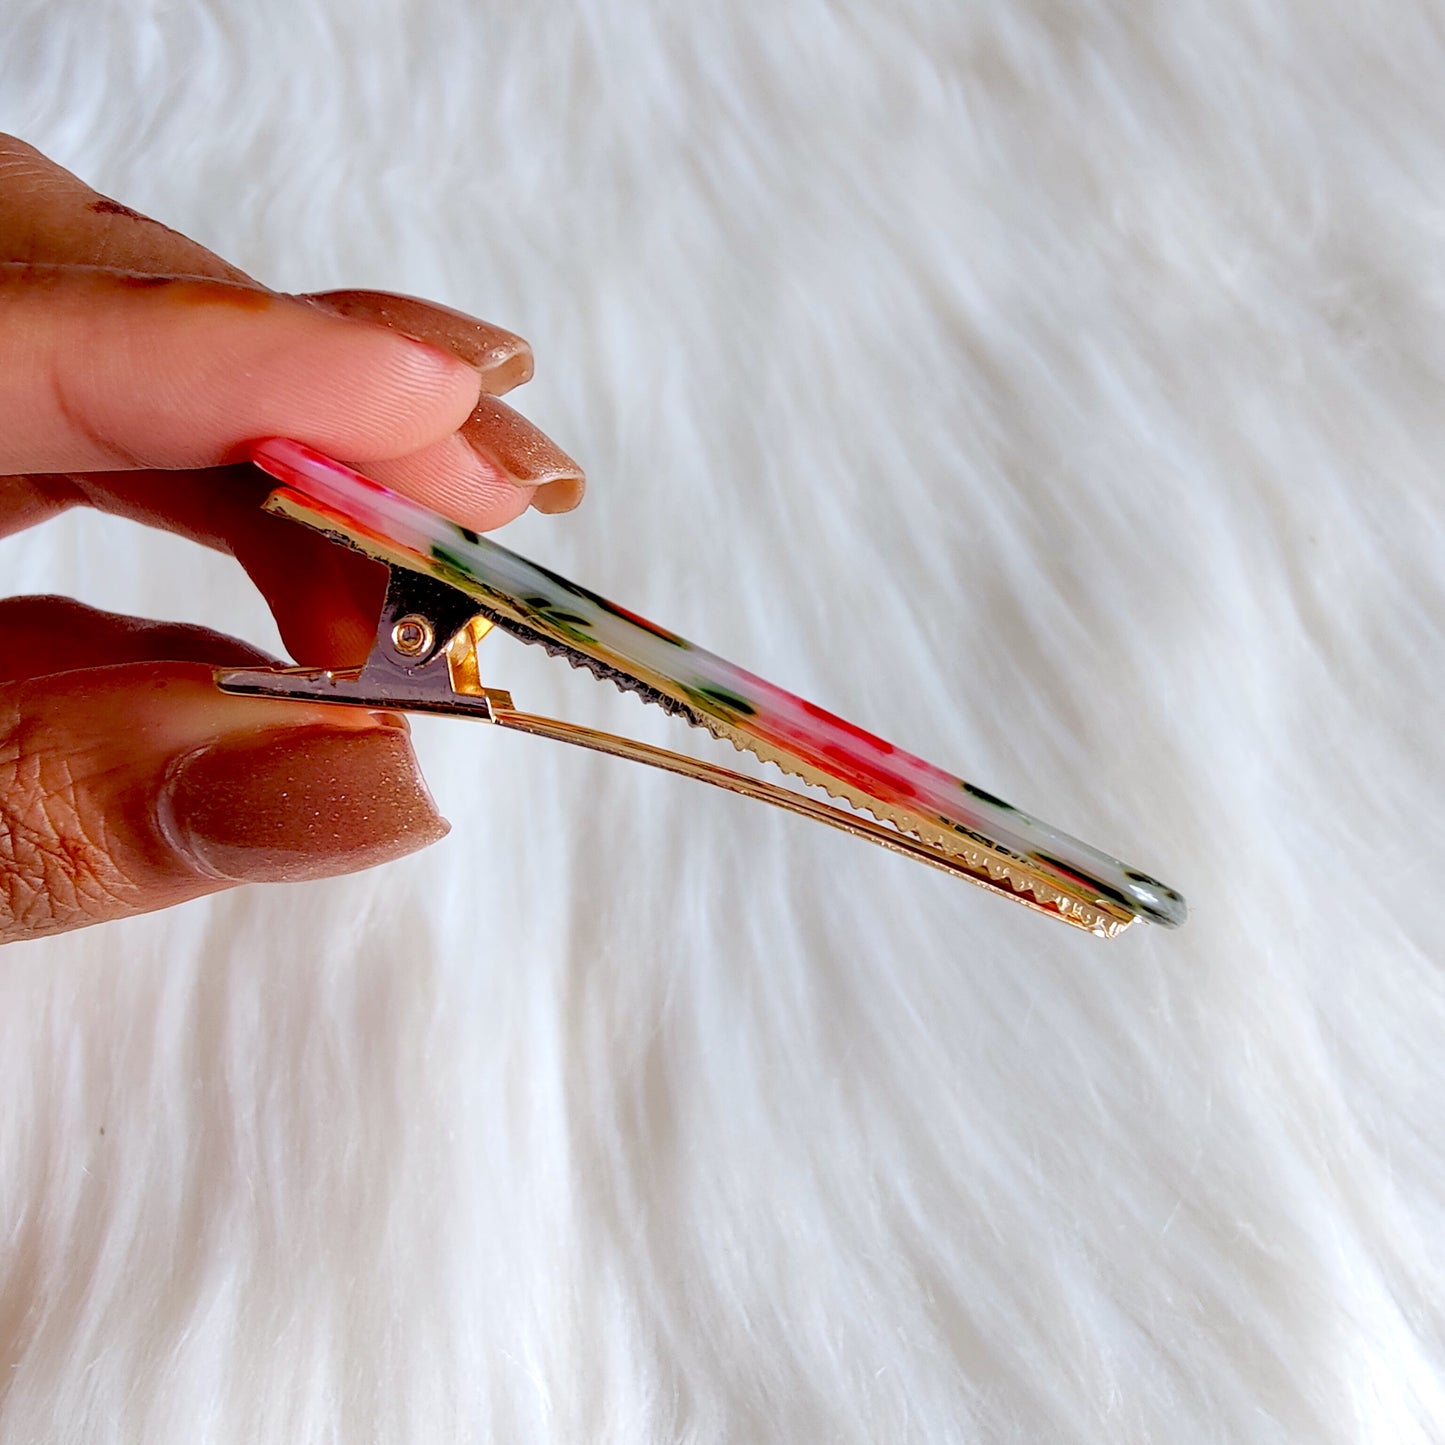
(412, 636)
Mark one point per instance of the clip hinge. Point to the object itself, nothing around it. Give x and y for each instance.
(423, 659)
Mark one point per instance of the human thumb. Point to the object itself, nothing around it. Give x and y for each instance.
(135, 786)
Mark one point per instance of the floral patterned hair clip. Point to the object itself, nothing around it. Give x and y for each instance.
(448, 588)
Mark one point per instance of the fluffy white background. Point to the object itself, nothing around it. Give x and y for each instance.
(1055, 387)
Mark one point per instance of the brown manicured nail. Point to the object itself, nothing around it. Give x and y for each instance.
(507, 441)
(503, 358)
(563, 495)
(295, 803)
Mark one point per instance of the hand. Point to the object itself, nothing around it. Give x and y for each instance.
(134, 366)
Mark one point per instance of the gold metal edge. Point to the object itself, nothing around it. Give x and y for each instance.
(885, 833)
(988, 868)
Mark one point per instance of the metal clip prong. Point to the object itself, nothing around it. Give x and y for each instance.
(424, 659)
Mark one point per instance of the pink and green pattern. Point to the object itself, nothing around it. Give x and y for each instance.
(540, 606)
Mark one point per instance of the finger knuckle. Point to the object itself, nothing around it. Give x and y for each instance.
(55, 869)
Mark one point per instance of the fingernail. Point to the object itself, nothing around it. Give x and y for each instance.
(563, 495)
(503, 358)
(295, 803)
(506, 441)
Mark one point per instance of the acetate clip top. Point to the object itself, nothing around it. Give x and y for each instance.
(448, 588)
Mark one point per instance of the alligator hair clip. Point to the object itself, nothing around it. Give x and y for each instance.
(448, 588)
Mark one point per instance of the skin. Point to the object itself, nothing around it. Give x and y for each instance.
(134, 367)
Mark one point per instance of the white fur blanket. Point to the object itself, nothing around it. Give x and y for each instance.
(1057, 388)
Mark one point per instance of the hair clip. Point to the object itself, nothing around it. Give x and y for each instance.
(448, 587)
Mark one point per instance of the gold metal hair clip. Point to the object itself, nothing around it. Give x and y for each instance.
(448, 588)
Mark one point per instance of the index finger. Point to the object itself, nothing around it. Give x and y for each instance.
(102, 370)
(51, 217)
(490, 471)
